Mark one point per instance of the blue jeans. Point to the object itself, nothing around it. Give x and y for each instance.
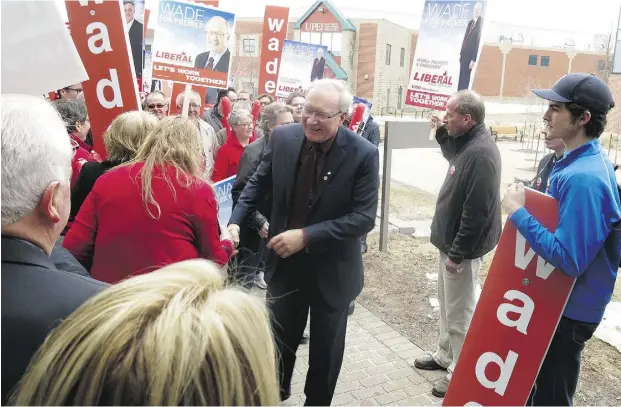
(558, 377)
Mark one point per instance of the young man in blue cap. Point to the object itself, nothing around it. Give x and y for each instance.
(587, 242)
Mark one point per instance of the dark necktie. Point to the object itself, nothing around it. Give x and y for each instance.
(303, 189)
(209, 64)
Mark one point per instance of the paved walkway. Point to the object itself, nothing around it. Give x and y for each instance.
(377, 368)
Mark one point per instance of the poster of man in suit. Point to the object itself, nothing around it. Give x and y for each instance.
(192, 44)
(134, 10)
(301, 64)
(319, 64)
(447, 50)
(218, 57)
(470, 47)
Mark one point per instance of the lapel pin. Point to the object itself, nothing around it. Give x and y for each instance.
(325, 178)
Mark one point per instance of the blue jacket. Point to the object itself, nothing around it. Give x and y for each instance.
(587, 241)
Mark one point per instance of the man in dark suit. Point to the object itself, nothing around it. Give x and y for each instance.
(318, 66)
(218, 57)
(324, 180)
(135, 32)
(36, 296)
(470, 47)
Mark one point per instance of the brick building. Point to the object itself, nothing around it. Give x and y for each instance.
(375, 57)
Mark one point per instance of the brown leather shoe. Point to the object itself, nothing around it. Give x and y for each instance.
(426, 362)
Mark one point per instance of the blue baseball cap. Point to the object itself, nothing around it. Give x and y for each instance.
(583, 89)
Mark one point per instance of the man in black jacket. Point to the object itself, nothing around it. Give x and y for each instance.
(251, 234)
(466, 225)
(36, 168)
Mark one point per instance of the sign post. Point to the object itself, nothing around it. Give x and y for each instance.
(515, 319)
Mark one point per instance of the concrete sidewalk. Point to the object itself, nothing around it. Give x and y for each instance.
(377, 368)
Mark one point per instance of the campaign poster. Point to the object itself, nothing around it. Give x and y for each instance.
(514, 321)
(192, 43)
(367, 110)
(300, 65)
(134, 24)
(225, 200)
(447, 50)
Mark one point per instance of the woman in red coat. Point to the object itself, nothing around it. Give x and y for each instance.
(155, 210)
(74, 114)
(227, 159)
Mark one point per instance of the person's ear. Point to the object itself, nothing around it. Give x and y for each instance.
(49, 205)
(586, 117)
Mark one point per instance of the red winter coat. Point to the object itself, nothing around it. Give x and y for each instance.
(227, 158)
(114, 237)
(82, 153)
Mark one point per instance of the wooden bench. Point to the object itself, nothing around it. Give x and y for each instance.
(505, 131)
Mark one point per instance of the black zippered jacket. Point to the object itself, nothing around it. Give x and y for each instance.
(467, 222)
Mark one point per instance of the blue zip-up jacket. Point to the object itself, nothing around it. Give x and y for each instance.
(587, 241)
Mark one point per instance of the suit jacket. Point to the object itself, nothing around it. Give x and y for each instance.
(248, 164)
(36, 297)
(135, 41)
(343, 209)
(470, 44)
(221, 66)
(318, 66)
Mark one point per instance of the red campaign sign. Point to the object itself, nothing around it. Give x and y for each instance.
(98, 32)
(275, 24)
(517, 314)
(435, 101)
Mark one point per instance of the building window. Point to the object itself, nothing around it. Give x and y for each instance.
(545, 61)
(250, 46)
(601, 65)
(337, 43)
(334, 41)
(402, 58)
(388, 50)
(388, 96)
(532, 60)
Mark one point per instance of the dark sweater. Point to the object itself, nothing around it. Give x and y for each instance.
(89, 174)
(467, 222)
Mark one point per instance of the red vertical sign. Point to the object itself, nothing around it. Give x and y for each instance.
(274, 35)
(520, 306)
(98, 31)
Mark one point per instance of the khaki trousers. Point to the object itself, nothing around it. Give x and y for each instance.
(457, 298)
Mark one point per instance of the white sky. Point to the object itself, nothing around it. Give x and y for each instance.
(541, 22)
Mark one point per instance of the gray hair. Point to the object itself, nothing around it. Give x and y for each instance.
(237, 115)
(270, 115)
(71, 112)
(210, 145)
(36, 151)
(193, 96)
(151, 95)
(334, 85)
(471, 103)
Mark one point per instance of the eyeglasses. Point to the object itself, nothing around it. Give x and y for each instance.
(244, 125)
(319, 116)
(194, 106)
(216, 34)
(75, 90)
(157, 106)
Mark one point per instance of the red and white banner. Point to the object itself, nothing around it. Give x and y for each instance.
(191, 44)
(517, 314)
(275, 24)
(98, 32)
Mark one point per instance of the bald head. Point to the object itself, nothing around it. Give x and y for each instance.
(217, 34)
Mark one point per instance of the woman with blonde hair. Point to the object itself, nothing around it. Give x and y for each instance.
(123, 139)
(153, 211)
(175, 336)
